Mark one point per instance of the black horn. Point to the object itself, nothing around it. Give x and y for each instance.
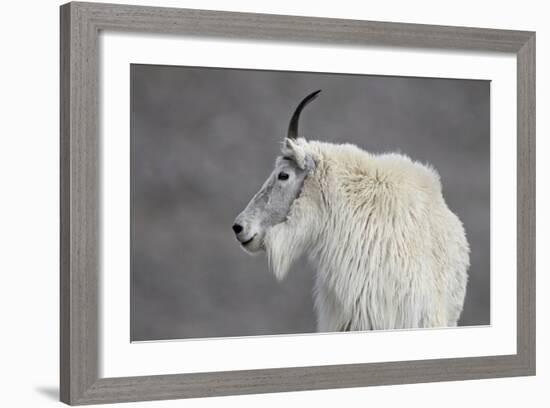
(293, 126)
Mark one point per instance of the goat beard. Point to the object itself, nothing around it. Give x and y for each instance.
(285, 242)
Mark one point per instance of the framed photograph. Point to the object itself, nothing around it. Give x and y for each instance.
(260, 203)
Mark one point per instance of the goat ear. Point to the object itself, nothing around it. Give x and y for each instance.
(288, 145)
(294, 149)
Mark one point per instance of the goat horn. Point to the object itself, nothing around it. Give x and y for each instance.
(293, 126)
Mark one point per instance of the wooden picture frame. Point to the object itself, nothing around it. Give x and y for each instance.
(80, 158)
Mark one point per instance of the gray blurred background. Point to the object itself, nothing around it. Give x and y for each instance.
(203, 142)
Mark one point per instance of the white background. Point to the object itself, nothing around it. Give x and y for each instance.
(29, 203)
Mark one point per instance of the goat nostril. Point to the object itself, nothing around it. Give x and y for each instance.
(237, 228)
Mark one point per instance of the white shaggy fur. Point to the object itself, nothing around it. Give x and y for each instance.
(389, 252)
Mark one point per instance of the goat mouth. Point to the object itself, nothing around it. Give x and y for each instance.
(248, 241)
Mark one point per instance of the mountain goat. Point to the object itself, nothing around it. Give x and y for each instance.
(389, 253)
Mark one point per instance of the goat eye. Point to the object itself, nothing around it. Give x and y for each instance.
(282, 176)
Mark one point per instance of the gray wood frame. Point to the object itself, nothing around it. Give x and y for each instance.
(80, 26)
